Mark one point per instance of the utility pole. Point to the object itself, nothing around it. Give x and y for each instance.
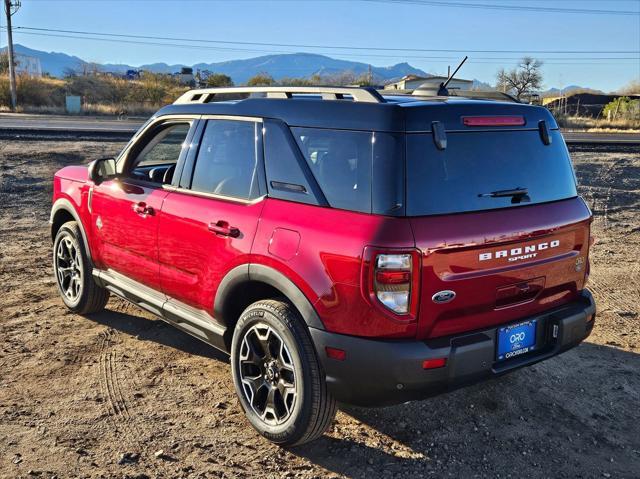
(11, 7)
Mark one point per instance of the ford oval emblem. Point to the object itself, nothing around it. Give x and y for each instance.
(443, 296)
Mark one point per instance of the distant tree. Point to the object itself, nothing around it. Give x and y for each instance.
(291, 81)
(219, 80)
(631, 88)
(261, 79)
(526, 78)
(4, 63)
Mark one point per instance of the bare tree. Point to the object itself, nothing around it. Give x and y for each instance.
(631, 88)
(526, 78)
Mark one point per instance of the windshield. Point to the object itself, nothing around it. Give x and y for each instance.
(486, 170)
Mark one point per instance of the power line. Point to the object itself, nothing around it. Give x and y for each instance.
(523, 8)
(433, 59)
(322, 47)
(459, 4)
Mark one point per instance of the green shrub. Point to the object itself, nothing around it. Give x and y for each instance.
(622, 108)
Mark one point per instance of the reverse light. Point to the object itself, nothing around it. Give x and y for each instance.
(392, 281)
(493, 120)
(393, 261)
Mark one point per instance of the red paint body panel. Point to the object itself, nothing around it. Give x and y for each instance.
(73, 173)
(328, 265)
(487, 290)
(322, 251)
(70, 183)
(127, 240)
(193, 260)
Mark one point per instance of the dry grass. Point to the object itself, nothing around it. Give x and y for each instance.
(92, 109)
(599, 124)
(101, 95)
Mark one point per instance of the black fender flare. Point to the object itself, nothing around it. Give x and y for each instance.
(244, 274)
(63, 204)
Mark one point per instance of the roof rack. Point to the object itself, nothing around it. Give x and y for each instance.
(359, 94)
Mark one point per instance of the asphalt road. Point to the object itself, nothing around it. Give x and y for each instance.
(67, 124)
(18, 125)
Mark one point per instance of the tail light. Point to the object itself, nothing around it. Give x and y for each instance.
(394, 279)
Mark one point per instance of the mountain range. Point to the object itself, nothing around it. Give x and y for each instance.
(293, 65)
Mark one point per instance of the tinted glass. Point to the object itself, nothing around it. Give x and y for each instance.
(473, 164)
(388, 174)
(165, 147)
(285, 166)
(341, 163)
(227, 160)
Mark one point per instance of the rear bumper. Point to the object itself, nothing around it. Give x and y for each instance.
(384, 372)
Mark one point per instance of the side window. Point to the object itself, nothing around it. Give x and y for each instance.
(288, 178)
(227, 160)
(157, 160)
(341, 161)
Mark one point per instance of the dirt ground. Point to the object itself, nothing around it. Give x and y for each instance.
(100, 396)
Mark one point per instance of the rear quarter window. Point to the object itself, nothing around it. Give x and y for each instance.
(357, 170)
(477, 163)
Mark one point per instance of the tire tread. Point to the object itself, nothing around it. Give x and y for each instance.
(95, 297)
(323, 405)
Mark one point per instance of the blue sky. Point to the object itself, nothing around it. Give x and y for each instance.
(370, 24)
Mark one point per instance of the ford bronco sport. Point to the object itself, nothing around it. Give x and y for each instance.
(339, 244)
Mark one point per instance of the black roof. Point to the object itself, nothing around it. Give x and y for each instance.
(397, 113)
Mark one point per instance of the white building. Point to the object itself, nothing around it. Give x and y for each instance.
(27, 65)
(414, 82)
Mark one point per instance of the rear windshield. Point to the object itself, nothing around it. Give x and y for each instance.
(477, 170)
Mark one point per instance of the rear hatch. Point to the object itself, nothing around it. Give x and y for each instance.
(496, 215)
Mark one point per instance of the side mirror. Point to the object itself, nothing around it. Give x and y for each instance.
(102, 169)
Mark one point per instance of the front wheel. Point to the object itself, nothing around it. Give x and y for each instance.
(73, 272)
(278, 378)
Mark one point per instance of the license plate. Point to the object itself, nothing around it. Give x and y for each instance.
(516, 339)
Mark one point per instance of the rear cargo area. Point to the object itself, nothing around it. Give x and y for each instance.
(496, 215)
(502, 265)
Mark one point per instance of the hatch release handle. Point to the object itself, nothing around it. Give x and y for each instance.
(439, 135)
(545, 134)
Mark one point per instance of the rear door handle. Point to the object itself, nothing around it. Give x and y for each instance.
(142, 209)
(222, 228)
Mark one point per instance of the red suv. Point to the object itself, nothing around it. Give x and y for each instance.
(340, 245)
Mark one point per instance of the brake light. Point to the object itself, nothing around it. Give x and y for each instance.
(393, 277)
(493, 120)
(392, 281)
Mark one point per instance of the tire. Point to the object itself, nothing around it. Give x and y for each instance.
(288, 376)
(73, 272)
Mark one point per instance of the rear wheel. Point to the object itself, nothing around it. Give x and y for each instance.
(277, 375)
(73, 272)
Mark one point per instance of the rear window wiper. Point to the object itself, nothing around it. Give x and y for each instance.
(517, 194)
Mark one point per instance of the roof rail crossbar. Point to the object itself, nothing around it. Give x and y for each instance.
(359, 94)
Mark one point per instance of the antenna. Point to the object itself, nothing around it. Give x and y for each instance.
(442, 91)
